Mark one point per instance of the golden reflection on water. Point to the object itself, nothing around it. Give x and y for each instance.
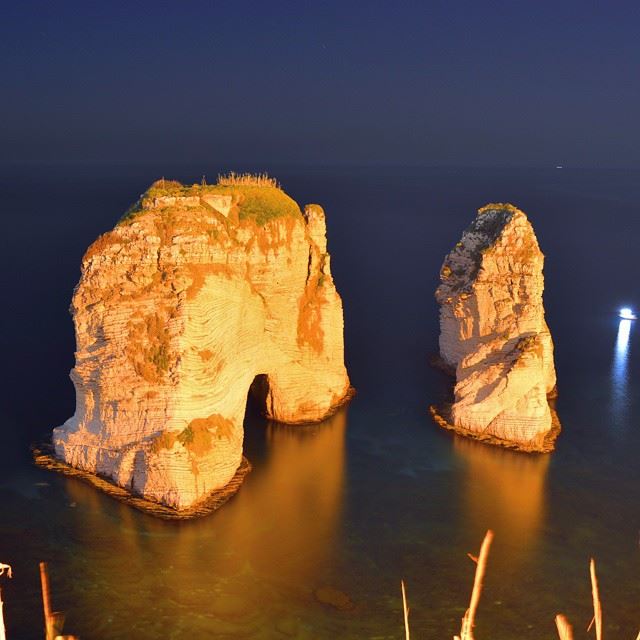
(235, 571)
(298, 496)
(504, 491)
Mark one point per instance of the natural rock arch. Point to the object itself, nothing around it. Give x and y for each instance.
(178, 310)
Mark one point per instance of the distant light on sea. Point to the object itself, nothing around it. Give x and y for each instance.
(627, 314)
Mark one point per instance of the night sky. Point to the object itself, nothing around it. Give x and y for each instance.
(418, 83)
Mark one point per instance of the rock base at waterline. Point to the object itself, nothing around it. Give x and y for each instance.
(44, 457)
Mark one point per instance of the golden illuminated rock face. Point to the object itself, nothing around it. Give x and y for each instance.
(493, 331)
(195, 293)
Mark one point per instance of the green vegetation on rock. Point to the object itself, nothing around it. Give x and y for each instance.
(256, 198)
(263, 204)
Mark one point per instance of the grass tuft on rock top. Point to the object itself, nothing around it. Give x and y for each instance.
(263, 204)
(258, 198)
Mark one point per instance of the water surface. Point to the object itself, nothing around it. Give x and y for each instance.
(375, 494)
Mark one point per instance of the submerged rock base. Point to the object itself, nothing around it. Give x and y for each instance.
(44, 457)
(442, 417)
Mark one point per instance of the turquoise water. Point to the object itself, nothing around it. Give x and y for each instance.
(377, 493)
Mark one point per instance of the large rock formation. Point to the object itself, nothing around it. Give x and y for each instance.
(195, 294)
(493, 332)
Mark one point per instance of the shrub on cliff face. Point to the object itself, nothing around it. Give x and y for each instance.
(103, 241)
(149, 348)
(165, 440)
(164, 187)
(196, 437)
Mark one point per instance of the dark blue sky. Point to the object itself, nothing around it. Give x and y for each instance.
(263, 83)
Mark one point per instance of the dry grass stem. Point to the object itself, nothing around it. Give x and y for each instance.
(4, 568)
(46, 601)
(565, 632)
(53, 620)
(247, 180)
(597, 606)
(468, 621)
(405, 609)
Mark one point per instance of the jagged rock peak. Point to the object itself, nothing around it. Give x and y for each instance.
(198, 293)
(462, 264)
(493, 332)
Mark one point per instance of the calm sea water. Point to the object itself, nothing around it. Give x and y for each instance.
(375, 494)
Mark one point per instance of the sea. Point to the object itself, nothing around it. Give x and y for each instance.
(334, 515)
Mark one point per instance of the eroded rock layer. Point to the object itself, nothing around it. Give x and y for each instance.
(197, 292)
(493, 332)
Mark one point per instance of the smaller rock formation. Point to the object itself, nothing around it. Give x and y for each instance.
(493, 333)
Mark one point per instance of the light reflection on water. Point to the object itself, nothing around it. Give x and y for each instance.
(240, 571)
(504, 491)
(304, 473)
(620, 375)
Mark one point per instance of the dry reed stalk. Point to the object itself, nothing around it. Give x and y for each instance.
(405, 610)
(3, 635)
(53, 620)
(468, 621)
(597, 606)
(564, 628)
(46, 601)
(4, 568)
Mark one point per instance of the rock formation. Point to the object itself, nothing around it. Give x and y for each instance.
(493, 332)
(195, 294)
